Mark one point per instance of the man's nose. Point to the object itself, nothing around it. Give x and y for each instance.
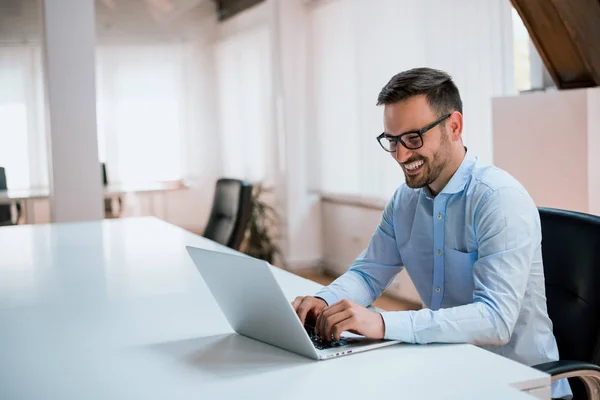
(402, 154)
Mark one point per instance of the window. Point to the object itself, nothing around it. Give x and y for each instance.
(141, 102)
(357, 48)
(23, 149)
(22, 133)
(521, 49)
(243, 67)
(153, 89)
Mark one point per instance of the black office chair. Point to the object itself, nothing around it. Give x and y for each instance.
(230, 213)
(571, 256)
(109, 211)
(6, 217)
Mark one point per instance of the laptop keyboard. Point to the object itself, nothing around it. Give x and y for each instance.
(322, 344)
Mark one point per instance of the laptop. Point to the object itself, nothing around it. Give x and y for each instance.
(255, 306)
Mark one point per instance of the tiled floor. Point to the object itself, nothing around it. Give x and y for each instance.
(385, 302)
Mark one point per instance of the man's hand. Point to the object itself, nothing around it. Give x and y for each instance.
(308, 307)
(348, 316)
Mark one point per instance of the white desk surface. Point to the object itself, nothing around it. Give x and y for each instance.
(116, 309)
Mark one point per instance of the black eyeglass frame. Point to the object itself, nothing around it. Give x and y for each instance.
(419, 132)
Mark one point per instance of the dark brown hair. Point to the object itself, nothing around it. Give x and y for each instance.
(437, 86)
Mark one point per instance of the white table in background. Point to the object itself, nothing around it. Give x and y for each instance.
(116, 309)
(25, 197)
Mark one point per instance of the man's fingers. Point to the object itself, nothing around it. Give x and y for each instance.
(297, 301)
(329, 311)
(318, 322)
(320, 325)
(335, 319)
(326, 314)
(304, 308)
(345, 325)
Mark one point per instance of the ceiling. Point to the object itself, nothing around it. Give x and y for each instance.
(566, 34)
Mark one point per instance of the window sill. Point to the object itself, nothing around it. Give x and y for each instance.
(372, 203)
(145, 187)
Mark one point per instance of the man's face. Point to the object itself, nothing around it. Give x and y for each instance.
(424, 165)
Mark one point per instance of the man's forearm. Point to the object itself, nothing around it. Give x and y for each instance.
(475, 323)
(352, 286)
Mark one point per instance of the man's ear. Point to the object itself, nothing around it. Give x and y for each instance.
(455, 125)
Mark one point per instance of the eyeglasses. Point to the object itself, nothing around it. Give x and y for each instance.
(412, 140)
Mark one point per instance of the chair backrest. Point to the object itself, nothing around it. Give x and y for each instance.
(230, 213)
(5, 211)
(571, 256)
(104, 176)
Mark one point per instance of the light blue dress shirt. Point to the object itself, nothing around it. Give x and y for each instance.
(474, 255)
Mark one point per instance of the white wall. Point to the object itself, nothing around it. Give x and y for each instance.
(593, 115)
(549, 141)
(346, 231)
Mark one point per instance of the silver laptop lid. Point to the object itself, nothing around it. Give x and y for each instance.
(251, 299)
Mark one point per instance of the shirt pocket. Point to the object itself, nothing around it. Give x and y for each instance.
(458, 271)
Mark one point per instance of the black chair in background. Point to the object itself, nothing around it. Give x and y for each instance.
(104, 176)
(230, 213)
(109, 210)
(571, 256)
(6, 217)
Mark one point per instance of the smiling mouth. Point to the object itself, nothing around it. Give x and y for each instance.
(414, 167)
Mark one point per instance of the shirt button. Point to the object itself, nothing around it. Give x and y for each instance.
(439, 252)
(439, 216)
(437, 289)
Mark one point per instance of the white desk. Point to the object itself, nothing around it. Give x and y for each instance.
(115, 309)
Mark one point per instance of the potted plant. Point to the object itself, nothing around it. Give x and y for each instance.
(260, 241)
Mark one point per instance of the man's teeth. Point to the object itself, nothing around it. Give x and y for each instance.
(414, 165)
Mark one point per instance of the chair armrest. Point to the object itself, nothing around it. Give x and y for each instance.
(587, 372)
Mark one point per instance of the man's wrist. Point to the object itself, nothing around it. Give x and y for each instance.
(327, 296)
(382, 325)
(323, 300)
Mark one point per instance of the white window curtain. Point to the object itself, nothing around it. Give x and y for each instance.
(141, 105)
(22, 119)
(358, 46)
(182, 98)
(245, 117)
(155, 96)
(155, 118)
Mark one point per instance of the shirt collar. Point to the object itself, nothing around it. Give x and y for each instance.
(460, 178)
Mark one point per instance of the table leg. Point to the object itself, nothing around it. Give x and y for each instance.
(29, 213)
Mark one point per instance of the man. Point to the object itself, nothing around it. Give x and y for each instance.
(468, 234)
